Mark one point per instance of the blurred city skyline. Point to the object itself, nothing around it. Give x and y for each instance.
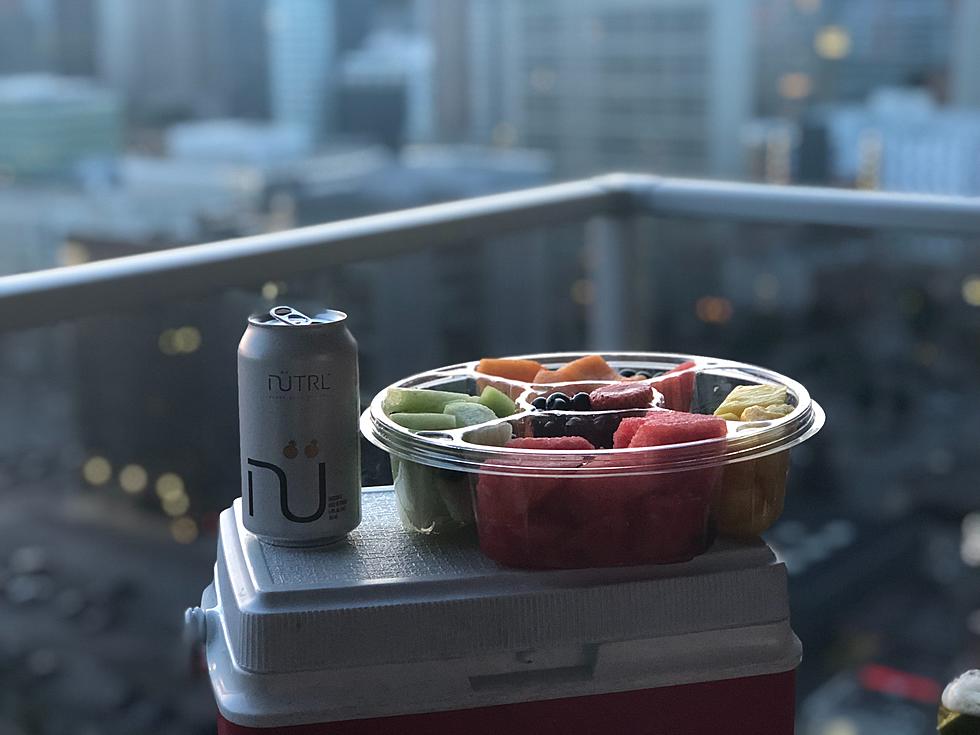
(130, 126)
(663, 85)
(179, 121)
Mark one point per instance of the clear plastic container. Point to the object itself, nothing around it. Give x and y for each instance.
(575, 507)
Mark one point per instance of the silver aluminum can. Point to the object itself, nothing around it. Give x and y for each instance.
(298, 410)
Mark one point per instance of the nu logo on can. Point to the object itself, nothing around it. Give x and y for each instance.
(284, 492)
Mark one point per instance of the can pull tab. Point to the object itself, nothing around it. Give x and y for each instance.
(289, 315)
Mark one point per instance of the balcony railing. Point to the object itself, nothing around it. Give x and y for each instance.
(608, 204)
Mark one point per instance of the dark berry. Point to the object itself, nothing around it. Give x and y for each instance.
(562, 404)
(540, 403)
(602, 441)
(581, 426)
(554, 398)
(552, 428)
(627, 373)
(608, 423)
(603, 429)
(581, 402)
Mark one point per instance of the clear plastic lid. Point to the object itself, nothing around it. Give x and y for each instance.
(462, 449)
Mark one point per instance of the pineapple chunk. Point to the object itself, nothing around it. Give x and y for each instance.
(744, 396)
(766, 413)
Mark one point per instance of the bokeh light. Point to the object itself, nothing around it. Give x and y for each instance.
(180, 341)
(832, 42)
(133, 478)
(187, 339)
(97, 470)
(270, 290)
(714, 309)
(175, 505)
(184, 530)
(795, 85)
(73, 253)
(971, 290)
(169, 485)
(166, 342)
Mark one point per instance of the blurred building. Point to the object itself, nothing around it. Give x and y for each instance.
(75, 25)
(491, 109)
(302, 40)
(965, 75)
(388, 89)
(51, 125)
(451, 45)
(235, 55)
(901, 140)
(25, 38)
(471, 70)
(236, 141)
(633, 84)
(770, 146)
(133, 41)
(838, 51)
(215, 52)
(355, 20)
(875, 43)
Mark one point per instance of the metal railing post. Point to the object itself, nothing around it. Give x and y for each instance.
(610, 254)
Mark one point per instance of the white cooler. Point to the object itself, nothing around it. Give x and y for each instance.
(388, 632)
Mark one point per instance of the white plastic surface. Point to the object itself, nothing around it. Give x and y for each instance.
(388, 623)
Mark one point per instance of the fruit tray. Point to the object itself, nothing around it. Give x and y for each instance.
(582, 460)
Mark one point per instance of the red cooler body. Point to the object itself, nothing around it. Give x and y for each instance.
(395, 633)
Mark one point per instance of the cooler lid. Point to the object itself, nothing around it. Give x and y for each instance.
(385, 596)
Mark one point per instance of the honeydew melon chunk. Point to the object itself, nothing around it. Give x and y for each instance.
(424, 421)
(469, 414)
(420, 506)
(498, 402)
(420, 400)
(496, 435)
(454, 492)
(429, 499)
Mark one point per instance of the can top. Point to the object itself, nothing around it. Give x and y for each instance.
(287, 316)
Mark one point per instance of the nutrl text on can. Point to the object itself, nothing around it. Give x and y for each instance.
(298, 412)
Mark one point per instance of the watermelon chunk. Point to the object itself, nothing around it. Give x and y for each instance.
(621, 396)
(677, 386)
(511, 525)
(566, 443)
(673, 525)
(627, 428)
(500, 496)
(677, 427)
(544, 522)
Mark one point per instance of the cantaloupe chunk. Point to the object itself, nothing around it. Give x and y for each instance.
(508, 368)
(590, 367)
